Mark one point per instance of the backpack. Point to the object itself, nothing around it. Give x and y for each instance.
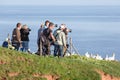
(56, 34)
(5, 44)
(45, 37)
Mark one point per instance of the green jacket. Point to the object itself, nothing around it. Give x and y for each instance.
(60, 37)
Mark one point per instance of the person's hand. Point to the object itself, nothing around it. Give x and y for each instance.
(54, 40)
(65, 47)
(20, 45)
(20, 42)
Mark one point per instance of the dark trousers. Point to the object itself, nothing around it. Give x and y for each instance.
(40, 48)
(46, 49)
(43, 47)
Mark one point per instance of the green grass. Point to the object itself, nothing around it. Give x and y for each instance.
(68, 68)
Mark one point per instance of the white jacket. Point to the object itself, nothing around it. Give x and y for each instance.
(60, 37)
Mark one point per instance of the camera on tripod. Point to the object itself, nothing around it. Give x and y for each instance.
(66, 31)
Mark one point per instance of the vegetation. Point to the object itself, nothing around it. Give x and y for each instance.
(21, 66)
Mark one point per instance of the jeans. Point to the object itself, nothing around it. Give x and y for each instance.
(25, 46)
(58, 50)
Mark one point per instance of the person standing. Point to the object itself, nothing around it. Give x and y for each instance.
(39, 43)
(25, 31)
(41, 29)
(46, 37)
(47, 22)
(60, 42)
(16, 37)
(40, 32)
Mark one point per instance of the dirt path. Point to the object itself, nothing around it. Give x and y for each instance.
(105, 76)
(48, 77)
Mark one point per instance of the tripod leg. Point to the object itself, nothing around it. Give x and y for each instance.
(65, 50)
(68, 51)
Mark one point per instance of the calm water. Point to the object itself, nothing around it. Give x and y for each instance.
(95, 29)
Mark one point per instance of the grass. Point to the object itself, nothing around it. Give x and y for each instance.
(68, 68)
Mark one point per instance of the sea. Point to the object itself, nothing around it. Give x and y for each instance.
(95, 29)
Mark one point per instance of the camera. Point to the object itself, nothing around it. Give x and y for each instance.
(66, 31)
(29, 29)
(70, 30)
(56, 25)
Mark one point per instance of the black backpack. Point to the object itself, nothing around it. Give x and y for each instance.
(45, 37)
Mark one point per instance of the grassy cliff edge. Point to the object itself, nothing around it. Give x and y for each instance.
(20, 66)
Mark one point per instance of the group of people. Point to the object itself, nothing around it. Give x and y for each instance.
(46, 38)
(20, 37)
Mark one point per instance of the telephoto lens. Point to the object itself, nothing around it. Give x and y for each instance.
(56, 25)
(70, 30)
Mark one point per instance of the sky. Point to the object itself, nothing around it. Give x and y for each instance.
(60, 2)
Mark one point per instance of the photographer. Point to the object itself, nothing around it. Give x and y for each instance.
(46, 37)
(16, 37)
(66, 31)
(60, 42)
(25, 31)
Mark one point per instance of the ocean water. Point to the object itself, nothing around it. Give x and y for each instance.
(95, 29)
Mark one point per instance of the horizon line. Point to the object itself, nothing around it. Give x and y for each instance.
(57, 5)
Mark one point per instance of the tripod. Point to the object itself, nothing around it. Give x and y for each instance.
(71, 48)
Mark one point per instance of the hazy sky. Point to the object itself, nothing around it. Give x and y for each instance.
(59, 2)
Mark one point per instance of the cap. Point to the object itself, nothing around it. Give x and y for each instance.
(62, 26)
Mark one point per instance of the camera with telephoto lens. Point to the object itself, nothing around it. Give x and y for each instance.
(70, 30)
(56, 25)
(66, 31)
(29, 29)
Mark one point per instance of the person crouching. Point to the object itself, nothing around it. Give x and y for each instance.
(60, 42)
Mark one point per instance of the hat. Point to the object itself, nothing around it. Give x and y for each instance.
(62, 26)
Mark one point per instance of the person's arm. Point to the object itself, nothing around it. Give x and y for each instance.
(53, 38)
(64, 39)
(26, 31)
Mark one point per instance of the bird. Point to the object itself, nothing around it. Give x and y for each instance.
(73, 53)
(106, 58)
(67, 54)
(98, 57)
(112, 58)
(87, 55)
(92, 56)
